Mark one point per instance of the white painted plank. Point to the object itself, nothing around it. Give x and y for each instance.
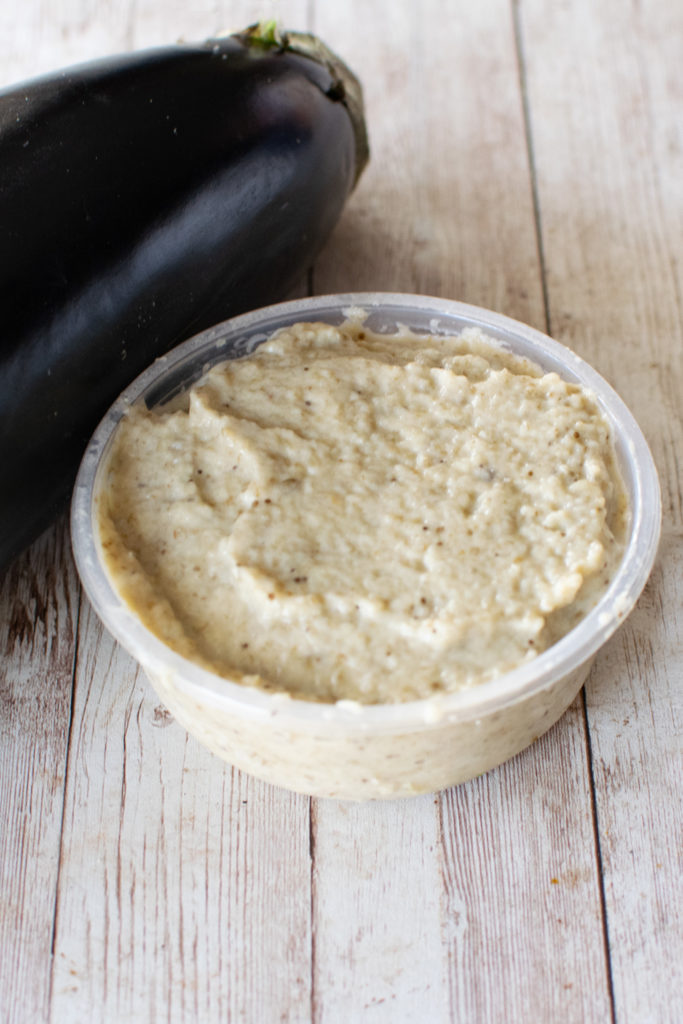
(635, 703)
(445, 205)
(184, 888)
(524, 927)
(38, 614)
(605, 91)
(376, 913)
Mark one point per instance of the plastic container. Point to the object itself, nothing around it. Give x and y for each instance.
(345, 750)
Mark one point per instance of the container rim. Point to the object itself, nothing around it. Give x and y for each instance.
(562, 658)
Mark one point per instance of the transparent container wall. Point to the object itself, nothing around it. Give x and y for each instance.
(173, 373)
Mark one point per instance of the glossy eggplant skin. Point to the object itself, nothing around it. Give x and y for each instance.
(142, 199)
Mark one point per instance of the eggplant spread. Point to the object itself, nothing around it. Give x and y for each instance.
(350, 516)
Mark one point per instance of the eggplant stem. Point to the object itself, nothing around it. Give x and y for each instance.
(344, 87)
(266, 33)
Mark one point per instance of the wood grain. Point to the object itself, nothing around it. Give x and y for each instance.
(376, 913)
(184, 888)
(445, 206)
(635, 705)
(523, 921)
(604, 90)
(39, 602)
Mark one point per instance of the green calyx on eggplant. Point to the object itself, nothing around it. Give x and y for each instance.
(143, 198)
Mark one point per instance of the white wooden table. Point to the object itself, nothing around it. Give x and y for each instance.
(526, 156)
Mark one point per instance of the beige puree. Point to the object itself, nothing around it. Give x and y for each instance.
(377, 518)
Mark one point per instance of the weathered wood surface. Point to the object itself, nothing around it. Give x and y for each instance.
(526, 157)
(604, 92)
(39, 604)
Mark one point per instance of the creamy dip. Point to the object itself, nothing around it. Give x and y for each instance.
(377, 518)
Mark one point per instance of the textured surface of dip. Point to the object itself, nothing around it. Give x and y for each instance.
(378, 518)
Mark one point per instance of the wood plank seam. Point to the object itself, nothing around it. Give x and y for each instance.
(598, 855)
(528, 131)
(67, 765)
(312, 806)
(529, 141)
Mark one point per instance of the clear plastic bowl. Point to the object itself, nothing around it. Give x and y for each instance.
(345, 750)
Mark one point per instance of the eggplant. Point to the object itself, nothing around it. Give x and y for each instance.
(144, 198)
